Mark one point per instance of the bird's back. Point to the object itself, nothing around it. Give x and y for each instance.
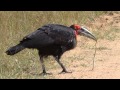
(48, 35)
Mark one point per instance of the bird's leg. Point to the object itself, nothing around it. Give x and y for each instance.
(43, 67)
(57, 58)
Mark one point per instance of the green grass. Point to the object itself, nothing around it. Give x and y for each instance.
(14, 25)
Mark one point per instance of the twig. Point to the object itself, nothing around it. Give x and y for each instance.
(94, 56)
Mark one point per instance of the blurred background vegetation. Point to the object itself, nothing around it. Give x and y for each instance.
(14, 25)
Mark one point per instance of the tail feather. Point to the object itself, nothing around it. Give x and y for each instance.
(15, 49)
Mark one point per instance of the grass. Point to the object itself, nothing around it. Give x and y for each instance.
(17, 24)
(109, 34)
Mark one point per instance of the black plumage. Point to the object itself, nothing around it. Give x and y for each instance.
(50, 39)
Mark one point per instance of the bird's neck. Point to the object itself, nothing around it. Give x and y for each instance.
(76, 33)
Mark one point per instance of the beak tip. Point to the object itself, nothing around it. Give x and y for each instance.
(88, 34)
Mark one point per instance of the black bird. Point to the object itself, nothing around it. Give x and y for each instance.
(52, 39)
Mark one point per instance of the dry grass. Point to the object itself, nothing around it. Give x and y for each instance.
(16, 24)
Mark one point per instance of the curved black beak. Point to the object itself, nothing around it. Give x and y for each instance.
(85, 32)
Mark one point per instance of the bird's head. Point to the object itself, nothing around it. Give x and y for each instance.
(83, 31)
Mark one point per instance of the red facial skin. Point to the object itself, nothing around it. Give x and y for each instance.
(76, 27)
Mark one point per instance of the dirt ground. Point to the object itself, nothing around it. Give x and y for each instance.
(107, 60)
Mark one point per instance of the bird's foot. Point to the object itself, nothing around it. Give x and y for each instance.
(64, 71)
(44, 73)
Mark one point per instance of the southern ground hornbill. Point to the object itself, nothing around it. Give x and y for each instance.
(51, 39)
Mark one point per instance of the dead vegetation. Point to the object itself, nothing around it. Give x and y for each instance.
(105, 26)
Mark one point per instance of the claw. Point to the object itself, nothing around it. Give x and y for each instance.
(44, 73)
(64, 71)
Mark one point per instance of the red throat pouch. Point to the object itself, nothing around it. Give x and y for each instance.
(76, 33)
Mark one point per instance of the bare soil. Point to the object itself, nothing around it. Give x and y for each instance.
(107, 60)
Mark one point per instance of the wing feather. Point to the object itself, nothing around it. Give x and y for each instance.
(48, 35)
